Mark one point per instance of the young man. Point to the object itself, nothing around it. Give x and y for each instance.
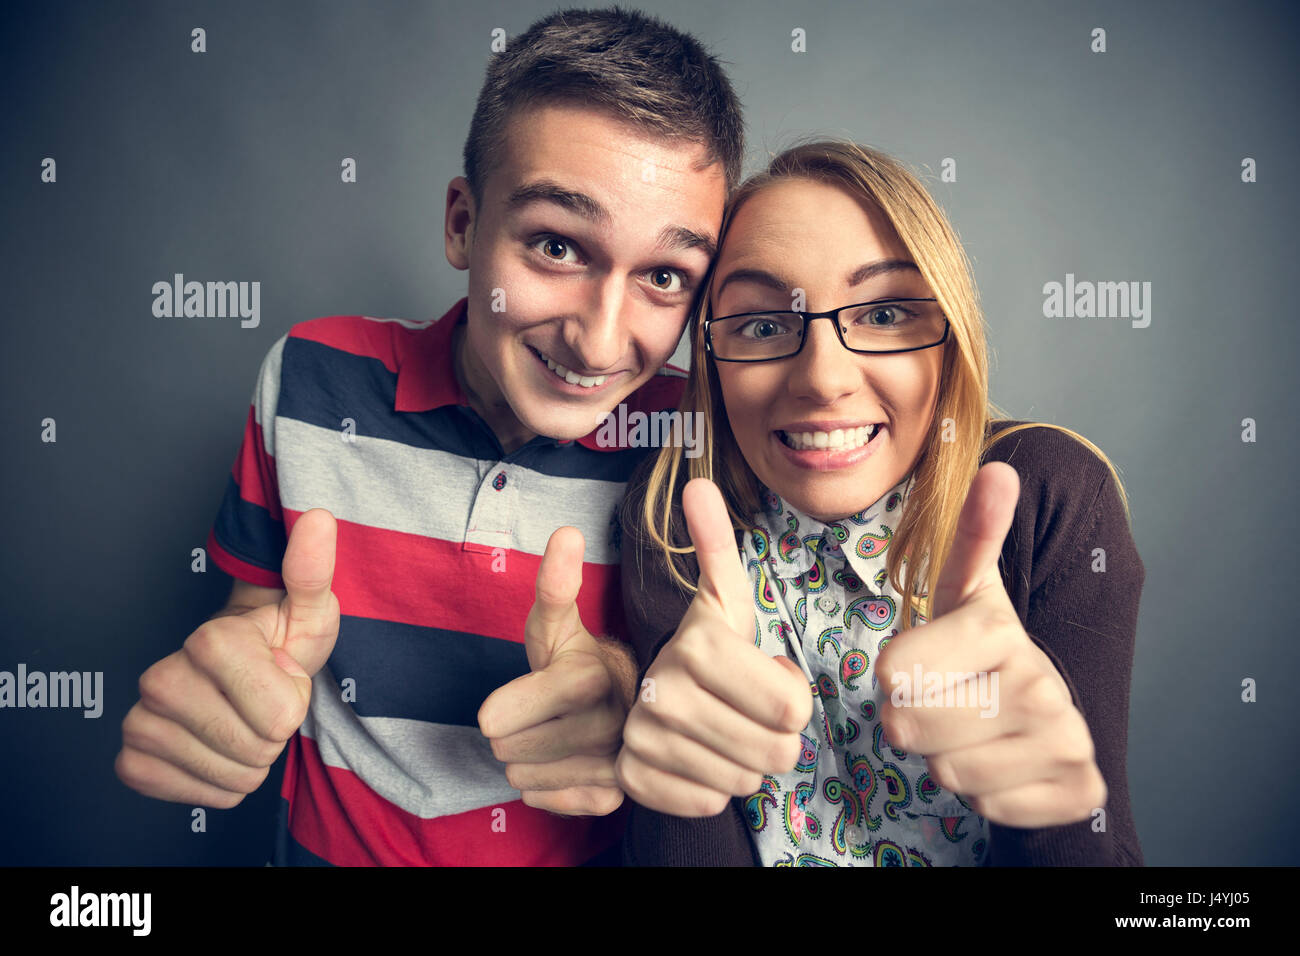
(410, 476)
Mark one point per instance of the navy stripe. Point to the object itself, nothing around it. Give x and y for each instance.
(422, 673)
(261, 539)
(288, 851)
(322, 386)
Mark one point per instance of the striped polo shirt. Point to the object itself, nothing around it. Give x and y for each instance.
(440, 536)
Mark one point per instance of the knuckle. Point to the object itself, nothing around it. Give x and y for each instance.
(625, 773)
(782, 754)
(790, 713)
(607, 800)
(249, 779)
(1099, 793)
(156, 682)
(636, 735)
(266, 753)
(1078, 747)
(135, 733)
(689, 653)
(129, 769)
(227, 801)
(747, 782)
(207, 645)
(712, 803)
(513, 776)
(943, 772)
(590, 684)
(220, 732)
(606, 740)
(670, 713)
(1043, 698)
(286, 720)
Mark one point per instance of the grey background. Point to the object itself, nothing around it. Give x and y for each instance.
(1116, 166)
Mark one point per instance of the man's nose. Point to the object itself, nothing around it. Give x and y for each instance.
(597, 334)
(824, 370)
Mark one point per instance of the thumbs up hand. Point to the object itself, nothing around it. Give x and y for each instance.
(1017, 750)
(557, 728)
(722, 713)
(213, 716)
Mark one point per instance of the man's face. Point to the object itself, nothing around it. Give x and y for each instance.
(583, 260)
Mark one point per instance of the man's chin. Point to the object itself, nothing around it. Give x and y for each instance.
(568, 425)
(544, 412)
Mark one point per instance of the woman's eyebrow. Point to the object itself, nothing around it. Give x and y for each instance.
(781, 284)
(880, 267)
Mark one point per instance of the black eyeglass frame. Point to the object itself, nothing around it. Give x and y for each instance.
(807, 318)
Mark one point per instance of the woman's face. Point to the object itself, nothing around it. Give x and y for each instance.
(815, 237)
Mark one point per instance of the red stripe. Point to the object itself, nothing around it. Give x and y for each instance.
(433, 583)
(353, 334)
(254, 470)
(237, 568)
(326, 803)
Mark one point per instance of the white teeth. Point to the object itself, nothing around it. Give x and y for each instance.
(841, 438)
(573, 378)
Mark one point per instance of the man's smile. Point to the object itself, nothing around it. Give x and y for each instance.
(587, 383)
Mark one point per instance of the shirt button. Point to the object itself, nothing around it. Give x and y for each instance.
(499, 481)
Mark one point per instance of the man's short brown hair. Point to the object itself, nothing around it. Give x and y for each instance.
(628, 63)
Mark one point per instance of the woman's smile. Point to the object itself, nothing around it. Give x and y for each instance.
(829, 446)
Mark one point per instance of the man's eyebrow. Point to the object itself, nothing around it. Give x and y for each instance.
(679, 237)
(858, 276)
(546, 190)
(580, 204)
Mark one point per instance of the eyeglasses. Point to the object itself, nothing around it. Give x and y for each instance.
(908, 326)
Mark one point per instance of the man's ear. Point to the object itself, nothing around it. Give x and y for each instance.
(458, 227)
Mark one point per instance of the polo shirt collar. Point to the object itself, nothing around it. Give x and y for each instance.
(426, 366)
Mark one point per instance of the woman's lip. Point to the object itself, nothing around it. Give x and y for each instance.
(827, 459)
(841, 424)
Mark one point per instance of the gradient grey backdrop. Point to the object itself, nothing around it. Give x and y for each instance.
(225, 166)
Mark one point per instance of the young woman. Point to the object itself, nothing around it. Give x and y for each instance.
(982, 722)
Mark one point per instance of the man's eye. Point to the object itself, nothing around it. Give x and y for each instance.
(662, 279)
(556, 249)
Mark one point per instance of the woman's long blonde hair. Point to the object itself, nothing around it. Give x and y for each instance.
(959, 434)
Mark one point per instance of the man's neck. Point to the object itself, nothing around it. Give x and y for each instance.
(485, 398)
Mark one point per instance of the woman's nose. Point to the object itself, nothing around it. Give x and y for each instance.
(824, 369)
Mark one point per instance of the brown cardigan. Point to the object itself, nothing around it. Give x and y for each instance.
(1085, 621)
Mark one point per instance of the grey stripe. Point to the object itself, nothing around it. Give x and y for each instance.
(266, 394)
(390, 485)
(429, 770)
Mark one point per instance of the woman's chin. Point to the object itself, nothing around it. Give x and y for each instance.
(822, 492)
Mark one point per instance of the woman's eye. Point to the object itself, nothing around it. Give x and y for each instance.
(761, 329)
(555, 249)
(662, 280)
(885, 316)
